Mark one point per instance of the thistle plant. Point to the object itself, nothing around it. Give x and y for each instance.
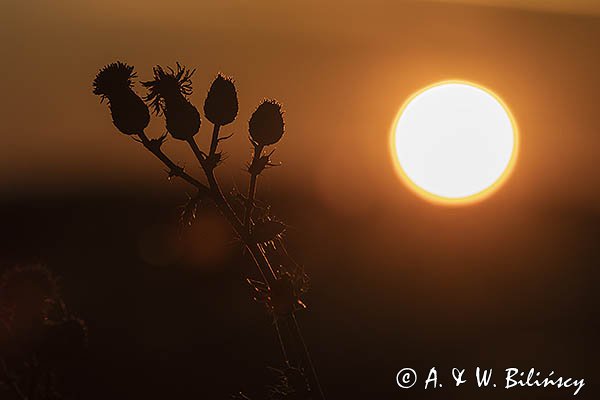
(114, 83)
(280, 282)
(168, 94)
(39, 335)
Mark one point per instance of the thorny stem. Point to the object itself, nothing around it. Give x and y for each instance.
(241, 229)
(197, 152)
(257, 263)
(313, 371)
(258, 149)
(217, 195)
(154, 147)
(281, 344)
(213, 191)
(245, 233)
(252, 189)
(215, 139)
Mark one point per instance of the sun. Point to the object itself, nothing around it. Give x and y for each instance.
(454, 142)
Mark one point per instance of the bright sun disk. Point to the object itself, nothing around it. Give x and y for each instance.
(454, 142)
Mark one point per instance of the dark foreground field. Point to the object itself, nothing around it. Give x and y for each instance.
(169, 315)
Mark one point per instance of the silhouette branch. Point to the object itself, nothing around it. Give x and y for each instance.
(153, 145)
(225, 208)
(215, 139)
(252, 187)
(168, 95)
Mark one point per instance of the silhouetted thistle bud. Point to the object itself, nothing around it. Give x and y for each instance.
(266, 124)
(168, 94)
(221, 104)
(129, 112)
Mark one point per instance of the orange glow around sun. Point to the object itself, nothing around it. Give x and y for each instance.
(454, 143)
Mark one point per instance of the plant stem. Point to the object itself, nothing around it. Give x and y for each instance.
(217, 195)
(313, 371)
(213, 191)
(215, 139)
(282, 344)
(241, 229)
(252, 189)
(174, 169)
(197, 152)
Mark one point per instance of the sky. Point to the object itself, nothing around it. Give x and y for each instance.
(581, 7)
(341, 69)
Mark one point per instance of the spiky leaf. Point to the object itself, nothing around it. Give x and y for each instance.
(265, 231)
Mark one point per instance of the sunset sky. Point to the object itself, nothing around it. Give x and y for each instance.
(342, 69)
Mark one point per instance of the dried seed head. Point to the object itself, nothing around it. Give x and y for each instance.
(266, 124)
(113, 78)
(167, 85)
(168, 94)
(115, 82)
(221, 104)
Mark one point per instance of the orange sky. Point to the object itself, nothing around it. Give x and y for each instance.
(342, 70)
(582, 7)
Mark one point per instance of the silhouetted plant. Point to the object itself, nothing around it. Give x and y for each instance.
(266, 124)
(39, 336)
(221, 104)
(168, 94)
(129, 113)
(282, 282)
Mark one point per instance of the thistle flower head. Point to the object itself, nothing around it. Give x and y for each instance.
(168, 94)
(168, 84)
(266, 124)
(221, 104)
(129, 112)
(113, 79)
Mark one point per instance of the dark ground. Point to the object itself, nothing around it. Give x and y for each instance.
(178, 330)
